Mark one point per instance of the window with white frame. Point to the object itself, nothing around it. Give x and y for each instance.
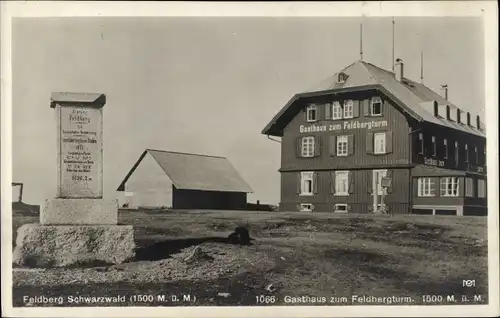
(376, 106)
(426, 187)
(336, 110)
(449, 187)
(307, 147)
(469, 187)
(481, 188)
(445, 142)
(341, 208)
(306, 183)
(348, 109)
(341, 182)
(342, 145)
(312, 113)
(434, 150)
(379, 143)
(306, 207)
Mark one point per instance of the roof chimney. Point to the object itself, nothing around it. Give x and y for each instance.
(468, 119)
(444, 88)
(478, 122)
(458, 116)
(399, 69)
(436, 109)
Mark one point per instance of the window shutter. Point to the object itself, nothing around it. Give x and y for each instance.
(350, 181)
(389, 175)
(332, 184)
(299, 147)
(315, 183)
(461, 187)
(382, 106)
(305, 113)
(369, 181)
(328, 111)
(355, 109)
(369, 143)
(350, 145)
(366, 107)
(388, 142)
(317, 146)
(299, 183)
(333, 145)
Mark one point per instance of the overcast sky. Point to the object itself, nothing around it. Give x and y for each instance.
(209, 85)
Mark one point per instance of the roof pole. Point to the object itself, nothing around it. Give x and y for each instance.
(392, 61)
(422, 67)
(361, 41)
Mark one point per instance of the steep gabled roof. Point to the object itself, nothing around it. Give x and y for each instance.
(195, 172)
(411, 96)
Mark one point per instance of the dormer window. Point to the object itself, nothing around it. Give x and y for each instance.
(342, 77)
(436, 109)
(312, 113)
(376, 106)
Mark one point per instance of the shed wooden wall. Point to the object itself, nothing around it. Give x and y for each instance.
(197, 199)
(150, 185)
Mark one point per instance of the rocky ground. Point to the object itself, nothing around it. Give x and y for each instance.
(185, 253)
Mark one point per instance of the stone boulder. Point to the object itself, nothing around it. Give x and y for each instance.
(64, 245)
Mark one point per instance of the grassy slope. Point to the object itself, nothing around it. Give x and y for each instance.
(300, 254)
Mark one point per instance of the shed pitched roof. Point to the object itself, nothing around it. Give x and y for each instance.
(412, 96)
(195, 172)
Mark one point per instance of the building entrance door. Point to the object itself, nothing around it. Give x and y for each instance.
(377, 189)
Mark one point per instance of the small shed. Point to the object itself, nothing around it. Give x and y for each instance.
(183, 181)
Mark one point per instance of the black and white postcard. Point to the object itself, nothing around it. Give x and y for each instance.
(249, 159)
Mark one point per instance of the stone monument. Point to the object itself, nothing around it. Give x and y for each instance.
(78, 226)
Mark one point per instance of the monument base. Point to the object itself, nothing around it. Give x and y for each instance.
(68, 245)
(79, 212)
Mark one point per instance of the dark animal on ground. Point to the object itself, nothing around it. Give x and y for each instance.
(240, 236)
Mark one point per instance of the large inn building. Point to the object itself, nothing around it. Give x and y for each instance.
(367, 140)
